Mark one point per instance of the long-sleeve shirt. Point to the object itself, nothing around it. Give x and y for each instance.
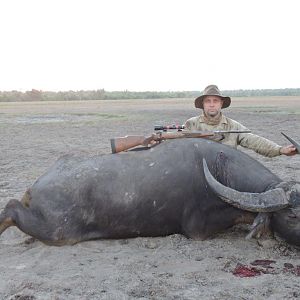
(257, 143)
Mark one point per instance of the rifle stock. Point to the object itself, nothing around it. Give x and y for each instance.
(124, 143)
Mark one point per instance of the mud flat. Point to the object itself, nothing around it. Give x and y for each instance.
(35, 134)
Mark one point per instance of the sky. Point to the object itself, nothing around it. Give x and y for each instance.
(149, 45)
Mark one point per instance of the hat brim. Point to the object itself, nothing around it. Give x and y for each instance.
(199, 101)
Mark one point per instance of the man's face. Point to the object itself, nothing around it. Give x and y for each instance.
(212, 105)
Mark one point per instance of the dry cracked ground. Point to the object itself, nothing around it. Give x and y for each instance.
(34, 135)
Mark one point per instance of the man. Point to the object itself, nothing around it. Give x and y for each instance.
(212, 102)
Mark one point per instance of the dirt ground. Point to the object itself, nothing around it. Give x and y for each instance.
(34, 135)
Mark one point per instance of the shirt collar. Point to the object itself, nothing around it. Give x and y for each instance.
(223, 119)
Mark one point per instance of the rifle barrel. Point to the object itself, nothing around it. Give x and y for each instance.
(232, 131)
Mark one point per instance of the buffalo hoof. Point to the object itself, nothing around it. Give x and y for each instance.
(260, 226)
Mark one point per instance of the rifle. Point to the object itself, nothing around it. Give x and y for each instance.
(129, 141)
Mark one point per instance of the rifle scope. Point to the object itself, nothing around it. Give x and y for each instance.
(166, 127)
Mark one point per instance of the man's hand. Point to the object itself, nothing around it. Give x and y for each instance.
(288, 150)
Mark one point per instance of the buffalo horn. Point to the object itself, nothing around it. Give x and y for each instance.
(268, 201)
(297, 145)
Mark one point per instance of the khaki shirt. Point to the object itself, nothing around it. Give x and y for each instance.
(257, 143)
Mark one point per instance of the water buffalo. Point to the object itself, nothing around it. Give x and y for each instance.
(194, 187)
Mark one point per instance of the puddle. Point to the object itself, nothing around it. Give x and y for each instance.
(43, 119)
(40, 119)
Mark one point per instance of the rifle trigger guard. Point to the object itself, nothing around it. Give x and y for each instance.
(218, 137)
(160, 137)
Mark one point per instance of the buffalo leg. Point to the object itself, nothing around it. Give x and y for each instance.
(16, 214)
(260, 226)
(46, 229)
(201, 226)
(5, 222)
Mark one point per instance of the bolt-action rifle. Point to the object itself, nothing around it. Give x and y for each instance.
(129, 141)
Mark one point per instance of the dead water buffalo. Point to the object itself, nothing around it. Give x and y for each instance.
(176, 187)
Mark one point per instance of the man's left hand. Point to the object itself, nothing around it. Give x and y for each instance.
(288, 150)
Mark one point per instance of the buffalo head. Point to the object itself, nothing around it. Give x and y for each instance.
(282, 201)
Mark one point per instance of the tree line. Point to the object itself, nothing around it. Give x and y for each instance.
(101, 94)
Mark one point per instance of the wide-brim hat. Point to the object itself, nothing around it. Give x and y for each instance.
(212, 90)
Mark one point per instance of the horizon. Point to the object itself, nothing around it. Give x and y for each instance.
(145, 91)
